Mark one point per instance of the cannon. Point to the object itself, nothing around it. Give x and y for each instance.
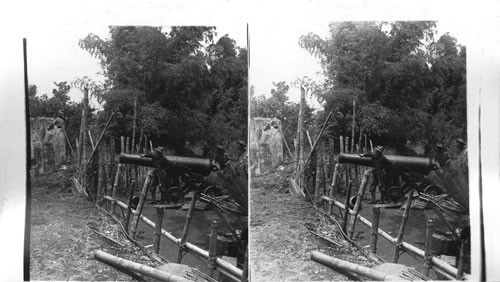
(405, 173)
(197, 165)
(175, 175)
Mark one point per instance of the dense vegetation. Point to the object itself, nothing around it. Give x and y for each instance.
(407, 85)
(187, 88)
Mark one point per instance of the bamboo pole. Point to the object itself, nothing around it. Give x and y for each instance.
(399, 239)
(365, 149)
(376, 217)
(127, 145)
(146, 143)
(189, 216)
(134, 124)
(300, 140)
(107, 169)
(357, 205)
(158, 228)
(317, 179)
(100, 137)
(84, 128)
(78, 155)
(360, 140)
(309, 139)
(100, 175)
(223, 266)
(212, 253)
(345, 266)
(353, 123)
(429, 230)
(141, 137)
(129, 209)
(348, 195)
(115, 186)
(437, 263)
(138, 210)
(91, 140)
(136, 267)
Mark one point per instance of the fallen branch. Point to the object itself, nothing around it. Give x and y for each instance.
(107, 237)
(326, 239)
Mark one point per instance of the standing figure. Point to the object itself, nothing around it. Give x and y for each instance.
(381, 166)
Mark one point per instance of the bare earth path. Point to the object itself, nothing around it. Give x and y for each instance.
(62, 240)
(281, 241)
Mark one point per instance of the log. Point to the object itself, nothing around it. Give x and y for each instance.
(338, 264)
(137, 267)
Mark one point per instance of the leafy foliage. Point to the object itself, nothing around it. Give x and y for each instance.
(406, 85)
(187, 87)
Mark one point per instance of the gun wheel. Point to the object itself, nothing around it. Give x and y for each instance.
(212, 191)
(433, 190)
(394, 193)
(174, 194)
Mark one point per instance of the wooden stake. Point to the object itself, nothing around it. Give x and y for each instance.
(365, 149)
(376, 217)
(182, 244)
(134, 124)
(78, 156)
(129, 205)
(212, 253)
(429, 230)
(122, 144)
(107, 169)
(127, 145)
(341, 138)
(141, 135)
(357, 205)
(138, 211)
(347, 144)
(157, 237)
(317, 181)
(146, 143)
(360, 140)
(399, 239)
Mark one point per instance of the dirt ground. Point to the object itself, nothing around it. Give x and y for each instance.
(62, 236)
(281, 239)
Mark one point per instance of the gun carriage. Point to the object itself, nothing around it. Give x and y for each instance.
(404, 173)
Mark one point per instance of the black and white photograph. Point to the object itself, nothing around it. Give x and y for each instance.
(366, 175)
(138, 171)
(236, 140)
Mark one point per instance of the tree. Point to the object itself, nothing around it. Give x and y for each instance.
(406, 86)
(186, 87)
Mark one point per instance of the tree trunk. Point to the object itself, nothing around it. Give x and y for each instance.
(83, 135)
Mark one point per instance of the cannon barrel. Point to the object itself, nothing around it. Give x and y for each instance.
(198, 165)
(421, 165)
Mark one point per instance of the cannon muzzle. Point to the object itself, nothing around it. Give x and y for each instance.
(420, 165)
(197, 165)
